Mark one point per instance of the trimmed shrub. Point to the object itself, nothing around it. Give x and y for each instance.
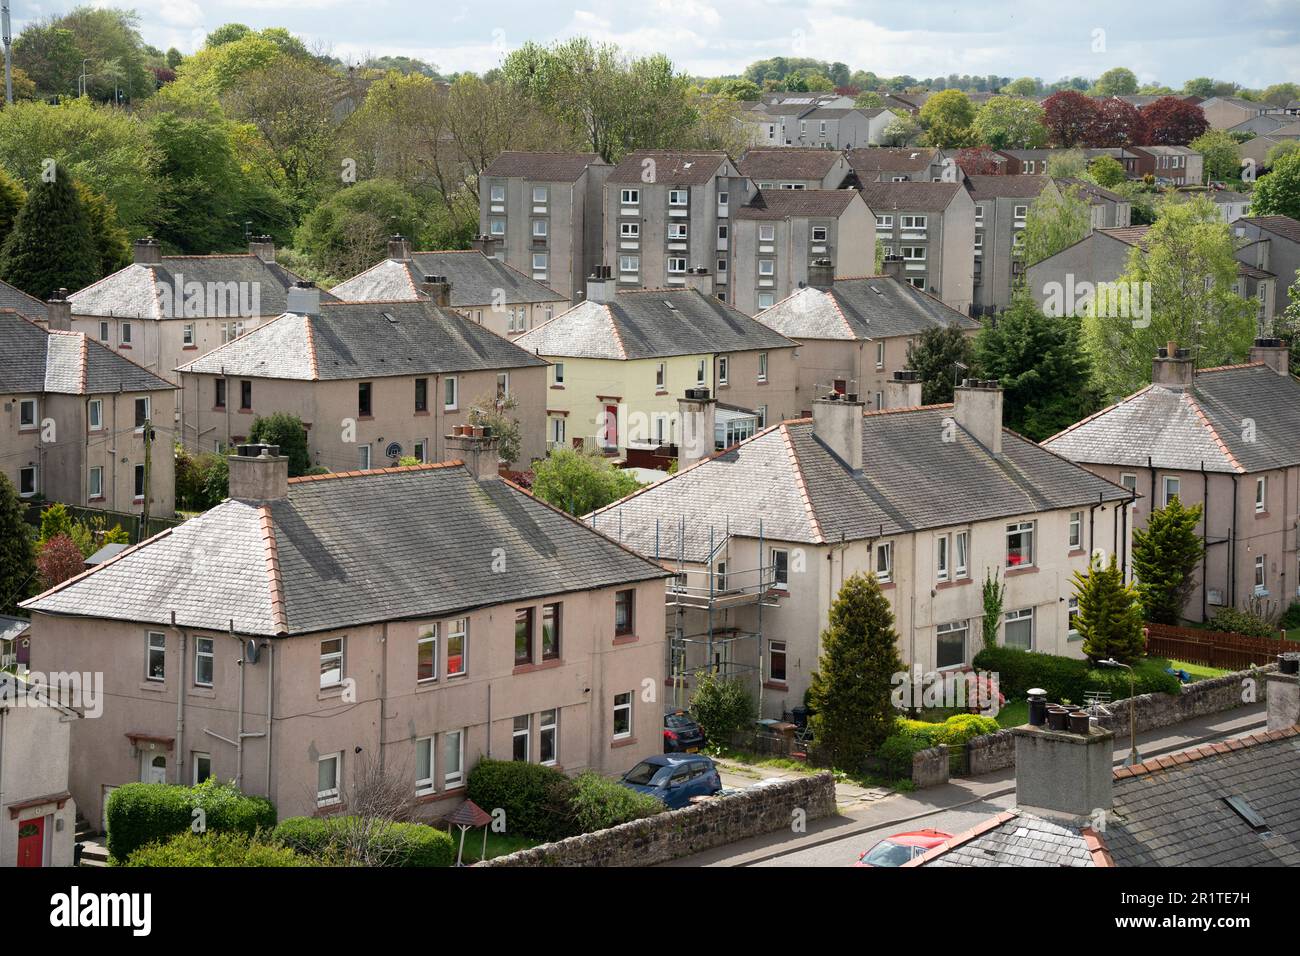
(537, 800)
(1064, 678)
(1233, 621)
(144, 813)
(959, 728)
(1290, 620)
(896, 754)
(215, 849)
(599, 803)
(324, 840)
(722, 707)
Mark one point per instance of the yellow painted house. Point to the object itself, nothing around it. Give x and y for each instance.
(622, 360)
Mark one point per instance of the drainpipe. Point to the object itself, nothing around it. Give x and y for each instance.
(239, 729)
(270, 683)
(180, 702)
(1205, 542)
(1232, 550)
(383, 692)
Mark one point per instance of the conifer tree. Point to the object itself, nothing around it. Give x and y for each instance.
(51, 245)
(17, 554)
(850, 692)
(1165, 554)
(1110, 615)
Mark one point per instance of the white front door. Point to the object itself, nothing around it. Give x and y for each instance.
(153, 768)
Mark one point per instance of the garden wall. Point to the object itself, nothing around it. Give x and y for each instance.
(1215, 695)
(679, 833)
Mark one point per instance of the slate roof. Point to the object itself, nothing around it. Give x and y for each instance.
(874, 307)
(1167, 811)
(890, 158)
(931, 197)
(797, 203)
(1129, 235)
(542, 167)
(672, 167)
(1283, 226)
(1005, 187)
(650, 323)
(1183, 428)
(476, 281)
(36, 360)
(14, 298)
(138, 291)
(787, 478)
(1091, 191)
(347, 550)
(350, 340)
(794, 162)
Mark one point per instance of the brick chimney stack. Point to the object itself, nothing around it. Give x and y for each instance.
(259, 473)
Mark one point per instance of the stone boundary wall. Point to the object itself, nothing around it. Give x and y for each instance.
(678, 833)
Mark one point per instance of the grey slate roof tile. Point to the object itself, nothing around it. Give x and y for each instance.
(11, 297)
(353, 550)
(36, 360)
(875, 307)
(476, 281)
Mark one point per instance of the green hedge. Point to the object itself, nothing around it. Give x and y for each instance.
(215, 849)
(599, 803)
(537, 800)
(144, 813)
(1065, 678)
(896, 754)
(398, 844)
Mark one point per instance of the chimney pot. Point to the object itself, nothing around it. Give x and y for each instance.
(58, 311)
(903, 390)
(1172, 367)
(821, 274)
(399, 247)
(602, 286)
(148, 252)
(438, 289)
(1274, 353)
(1062, 774)
(478, 448)
(259, 473)
(262, 247)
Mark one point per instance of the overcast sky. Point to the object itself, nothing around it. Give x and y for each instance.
(1253, 42)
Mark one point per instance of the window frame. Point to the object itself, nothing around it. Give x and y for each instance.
(1261, 495)
(553, 727)
(330, 796)
(426, 636)
(210, 655)
(885, 548)
(1016, 528)
(424, 786)
(451, 779)
(1074, 531)
(1020, 614)
(524, 733)
(95, 415)
(624, 706)
(451, 383)
(777, 649)
(331, 655)
(527, 617)
(625, 597)
(946, 628)
(151, 648)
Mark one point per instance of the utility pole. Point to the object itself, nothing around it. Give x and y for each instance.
(8, 39)
(148, 463)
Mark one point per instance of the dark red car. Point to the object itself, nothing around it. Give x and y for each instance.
(901, 847)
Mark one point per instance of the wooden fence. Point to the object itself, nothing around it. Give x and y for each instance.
(1216, 648)
(130, 523)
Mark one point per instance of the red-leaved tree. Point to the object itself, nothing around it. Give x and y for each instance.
(1172, 122)
(1116, 123)
(979, 161)
(60, 559)
(1068, 115)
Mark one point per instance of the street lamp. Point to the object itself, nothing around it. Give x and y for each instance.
(1132, 759)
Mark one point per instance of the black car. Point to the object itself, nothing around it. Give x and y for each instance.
(681, 734)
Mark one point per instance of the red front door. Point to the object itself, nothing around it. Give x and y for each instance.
(611, 426)
(31, 842)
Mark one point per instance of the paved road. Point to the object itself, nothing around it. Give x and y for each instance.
(865, 816)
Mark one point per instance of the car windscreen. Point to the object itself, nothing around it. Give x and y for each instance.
(886, 853)
(678, 722)
(644, 774)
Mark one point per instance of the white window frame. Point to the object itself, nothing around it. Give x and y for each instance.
(766, 232)
(363, 457)
(629, 197)
(453, 778)
(915, 223)
(1074, 537)
(679, 197)
(540, 228)
(526, 733)
(1018, 528)
(1020, 614)
(661, 376)
(210, 656)
(155, 641)
(766, 268)
(95, 482)
(554, 728)
(544, 197)
(1261, 573)
(942, 558)
(497, 194)
(29, 420)
(622, 702)
(778, 580)
(961, 555)
(330, 796)
(678, 231)
(762, 366)
(676, 265)
(497, 227)
(95, 414)
(824, 232)
(1071, 609)
(952, 627)
(1261, 494)
(540, 262)
(1167, 482)
(629, 265)
(629, 230)
(1128, 480)
(458, 628)
(424, 785)
(453, 383)
(723, 369)
(429, 636)
(331, 655)
(35, 481)
(884, 222)
(885, 549)
(880, 355)
(197, 757)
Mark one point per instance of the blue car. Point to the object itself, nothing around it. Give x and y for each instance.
(674, 778)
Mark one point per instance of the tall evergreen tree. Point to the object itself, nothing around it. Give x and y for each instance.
(935, 356)
(12, 197)
(17, 552)
(850, 692)
(1044, 372)
(1110, 615)
(286, 430)
(52, 244)
(1165, 554)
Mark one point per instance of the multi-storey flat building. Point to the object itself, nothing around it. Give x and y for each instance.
(897, 164)
(791, 168)
(1001, 207)
(545, 212)
(931, 225)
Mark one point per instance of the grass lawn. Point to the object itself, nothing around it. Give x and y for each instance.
(1198, 671)
(498, 844)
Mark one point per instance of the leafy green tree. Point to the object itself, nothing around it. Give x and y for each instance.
(55, 521)
(1185, 273)
(1278, 193)
(1107, 171)
(948, 118)
(226, 33)
(992, 601)
(851, 688)
(1057, 219)
(1284, 148)
(1045, 375)
(579, 482)
(722, 707)
(51, 245)
(868, 100)
(12, 197)
(1280, 94)
(348, 232)
(1286, 324)
(902, 131)
(1010, 122)
(108, 149)
(1119, 81)
(52, 51)
(1024, 86)
(1109, 618)
(1201, 86)
(935, 355)
(112, 245)
(17, 551)
(1219, 155)
(287, 431)
(1165, 555)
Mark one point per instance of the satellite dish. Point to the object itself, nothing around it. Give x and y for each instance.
(252, 650)
(394, 450)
